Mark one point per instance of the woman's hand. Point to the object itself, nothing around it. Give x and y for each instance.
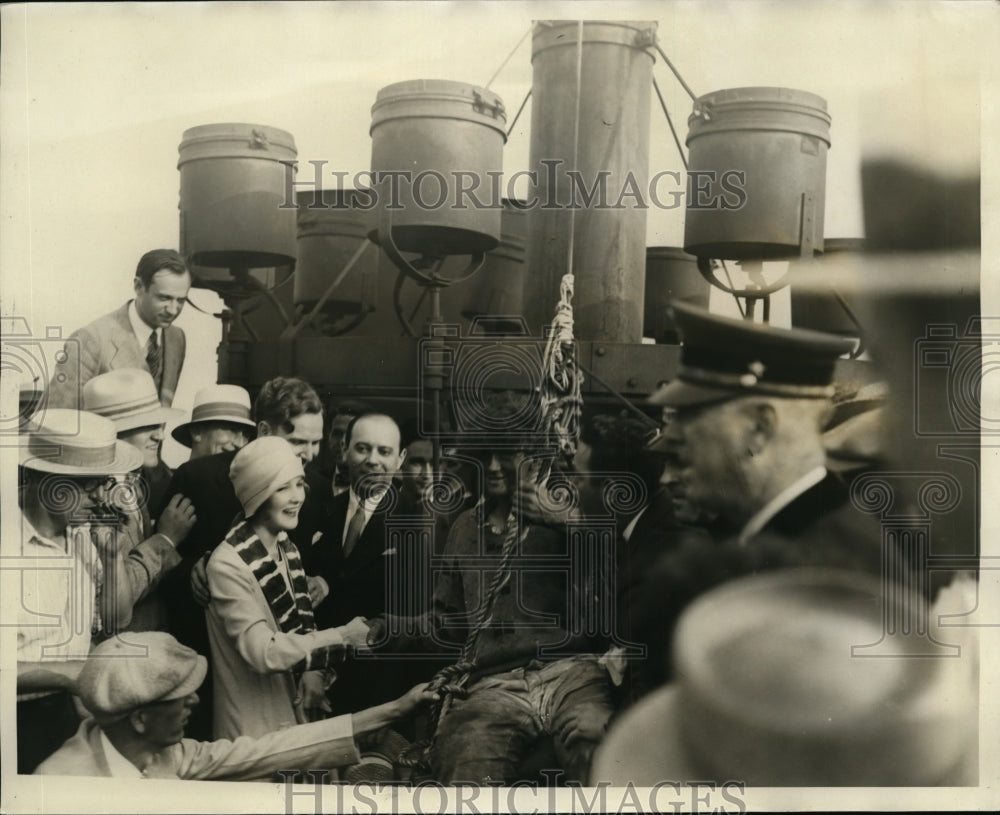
(355, 634)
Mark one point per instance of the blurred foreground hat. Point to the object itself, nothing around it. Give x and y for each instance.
(75, 442)
(118, 677)
(722, 358)
(217, 403)
(128, 397)
(777, 685)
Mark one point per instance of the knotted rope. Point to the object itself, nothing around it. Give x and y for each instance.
(451, 680)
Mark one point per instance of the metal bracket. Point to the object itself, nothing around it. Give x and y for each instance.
(480, 105)
(259, 140)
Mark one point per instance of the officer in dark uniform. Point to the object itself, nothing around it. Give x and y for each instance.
(750, 403)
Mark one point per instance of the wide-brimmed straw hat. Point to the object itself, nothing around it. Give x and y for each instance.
(229, 404)
(128, 397)
(75, 442)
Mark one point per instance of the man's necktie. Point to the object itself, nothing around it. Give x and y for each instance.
(154, 359)
(354, 529)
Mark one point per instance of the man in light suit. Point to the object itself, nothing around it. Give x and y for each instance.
(140, 334)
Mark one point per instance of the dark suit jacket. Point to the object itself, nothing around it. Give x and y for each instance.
(357, 583)
(105, 345)
(656, 533)
(820, 529)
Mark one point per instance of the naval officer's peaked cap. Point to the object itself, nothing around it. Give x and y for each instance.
(722, 358)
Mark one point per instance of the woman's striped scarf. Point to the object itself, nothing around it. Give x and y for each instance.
(292, 610)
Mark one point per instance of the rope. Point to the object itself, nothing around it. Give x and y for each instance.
(559, 391)
(504, 63)
(670, 122)
(670, 65)
(450, 682)
(576, 141)
(517, 115)
(561, 407)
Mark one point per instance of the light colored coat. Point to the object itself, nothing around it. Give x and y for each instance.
(254, 689)
(321, 745)
(105, 345)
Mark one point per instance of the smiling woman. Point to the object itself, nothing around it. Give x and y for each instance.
(271, 665)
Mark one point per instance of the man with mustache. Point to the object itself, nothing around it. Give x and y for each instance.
(69, 461)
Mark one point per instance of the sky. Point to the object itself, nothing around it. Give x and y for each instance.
(94, 99)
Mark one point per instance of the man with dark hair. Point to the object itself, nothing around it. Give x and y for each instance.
(330, 462)
(140, 334)
(627, 473)
(499, 594)
(287, 407)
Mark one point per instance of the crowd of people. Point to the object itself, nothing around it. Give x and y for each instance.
(307, 591)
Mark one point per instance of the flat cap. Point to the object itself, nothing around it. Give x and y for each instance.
(148, 666)
(722, 358)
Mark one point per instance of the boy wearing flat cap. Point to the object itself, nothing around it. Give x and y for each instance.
(141, 693)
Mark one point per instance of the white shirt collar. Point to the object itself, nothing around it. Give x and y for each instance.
(140, 329)
(371, 502)
(779, 502)
(119, 766)
(30, 533)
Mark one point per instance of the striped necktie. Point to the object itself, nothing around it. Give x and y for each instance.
(154, 359)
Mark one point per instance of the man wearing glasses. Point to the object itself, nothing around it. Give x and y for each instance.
(70, 581)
